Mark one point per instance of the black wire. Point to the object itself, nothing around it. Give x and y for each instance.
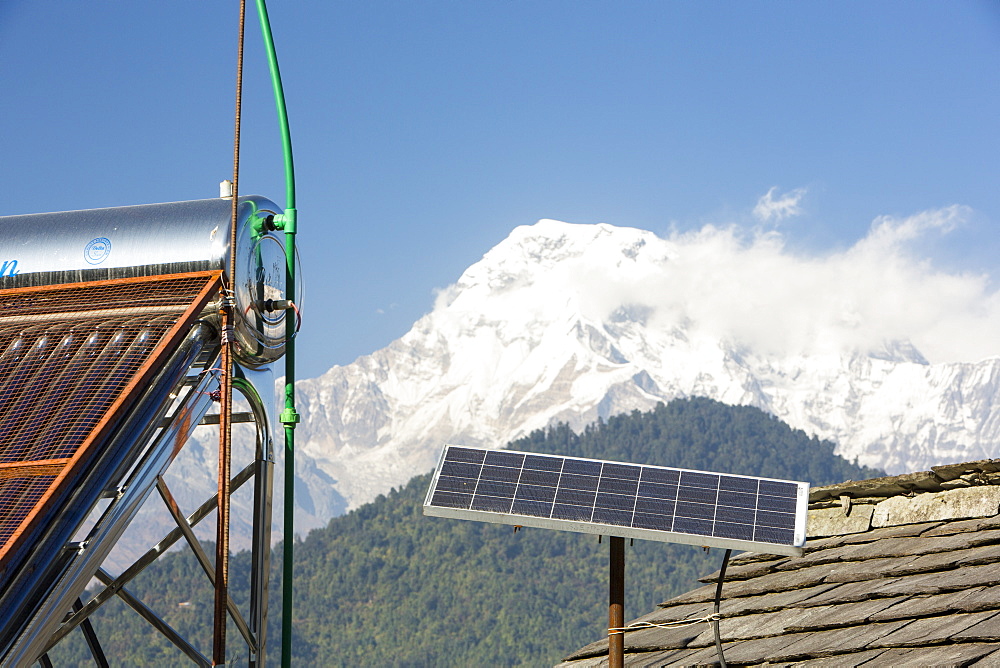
(718, 598)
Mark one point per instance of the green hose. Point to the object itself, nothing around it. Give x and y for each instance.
(289, 417)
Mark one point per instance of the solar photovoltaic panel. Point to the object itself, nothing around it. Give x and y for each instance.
(620, 499)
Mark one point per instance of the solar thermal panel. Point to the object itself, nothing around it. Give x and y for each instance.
(73, 358)
(620, 499)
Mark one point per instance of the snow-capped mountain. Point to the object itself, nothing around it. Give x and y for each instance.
(564, 322)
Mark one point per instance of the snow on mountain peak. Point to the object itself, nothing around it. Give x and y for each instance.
(712, 284)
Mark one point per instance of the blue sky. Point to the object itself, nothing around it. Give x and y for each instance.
(424, 132)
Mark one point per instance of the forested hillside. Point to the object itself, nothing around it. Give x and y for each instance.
(386, 586)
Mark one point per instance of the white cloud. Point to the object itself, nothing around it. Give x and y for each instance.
(755, 291)
(746, 287)
(888, 232)
(777, 209)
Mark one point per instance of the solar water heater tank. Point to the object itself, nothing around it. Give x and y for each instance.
(110, 336)
(159, 239)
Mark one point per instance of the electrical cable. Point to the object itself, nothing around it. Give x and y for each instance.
(716, 616)
(712, 619)
(680, 623)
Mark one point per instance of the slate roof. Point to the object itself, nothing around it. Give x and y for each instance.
(897, 571)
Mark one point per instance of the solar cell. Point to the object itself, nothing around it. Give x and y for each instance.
(620, 499)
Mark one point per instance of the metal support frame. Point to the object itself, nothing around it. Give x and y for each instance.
(92, 642)
(616, 604)
(252, 629)
(165, 629)
(203, 560)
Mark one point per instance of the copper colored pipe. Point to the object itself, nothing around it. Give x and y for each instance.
(616, 604)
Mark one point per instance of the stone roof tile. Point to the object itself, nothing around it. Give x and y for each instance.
(838, 641)
(849, 592)
(881, 533)
(865, 657)
(775, 601)
(848, 614)
(965, 600)
(942, 656)
(940, 629)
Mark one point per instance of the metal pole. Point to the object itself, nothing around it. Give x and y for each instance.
(616, 604)
(260, 568)
(226, 399)
(289, 417)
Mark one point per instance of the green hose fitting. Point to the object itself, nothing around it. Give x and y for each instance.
(289, 417)
(259, 226)
(286, 222)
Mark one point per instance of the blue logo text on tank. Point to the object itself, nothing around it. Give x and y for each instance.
(98, 250)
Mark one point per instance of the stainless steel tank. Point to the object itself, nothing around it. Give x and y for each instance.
(158, 239)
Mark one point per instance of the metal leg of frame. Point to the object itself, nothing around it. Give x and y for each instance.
(92, 642)
(202, 557)
(168, 631)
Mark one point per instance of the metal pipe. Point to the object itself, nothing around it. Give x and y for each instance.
(279, 101)
(289, 416)
(616, 604)
(260, 567)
